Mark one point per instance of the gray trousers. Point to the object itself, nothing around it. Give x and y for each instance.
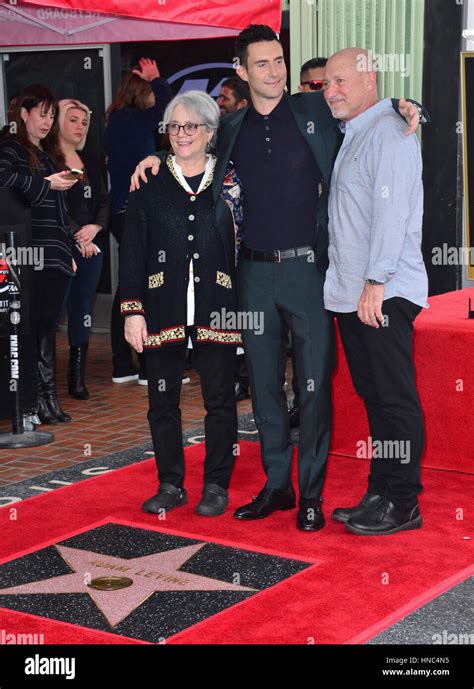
(279, 296)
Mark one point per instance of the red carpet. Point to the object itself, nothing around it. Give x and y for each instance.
(444, 360)
(359, 584)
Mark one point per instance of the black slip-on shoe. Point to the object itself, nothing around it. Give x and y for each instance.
(167, 498)
(214, 501)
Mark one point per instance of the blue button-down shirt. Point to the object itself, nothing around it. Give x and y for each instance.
(376, 212)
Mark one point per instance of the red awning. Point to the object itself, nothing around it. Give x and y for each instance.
(233, 14)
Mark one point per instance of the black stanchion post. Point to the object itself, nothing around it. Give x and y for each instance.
(14, 298)
(18, 437)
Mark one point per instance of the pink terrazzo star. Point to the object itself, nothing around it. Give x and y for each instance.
(151, 573)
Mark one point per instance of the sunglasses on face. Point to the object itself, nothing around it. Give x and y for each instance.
(314, 84)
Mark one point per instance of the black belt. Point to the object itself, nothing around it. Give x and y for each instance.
(276, 254)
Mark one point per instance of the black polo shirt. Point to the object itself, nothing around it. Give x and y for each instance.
(280, 179)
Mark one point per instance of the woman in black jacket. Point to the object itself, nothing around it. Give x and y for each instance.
(26, 167)
(88, 213)
(177, 277)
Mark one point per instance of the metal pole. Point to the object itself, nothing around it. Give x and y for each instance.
(14, 297)
(18, 437)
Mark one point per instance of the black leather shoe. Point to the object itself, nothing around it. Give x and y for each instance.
(294, 415)
(167, 498)
(267, 502)
(343, 514)
(385, 518)
(310, 516)
(213, 502)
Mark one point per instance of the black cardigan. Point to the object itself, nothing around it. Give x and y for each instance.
(89, 205)
(165, 227)
(49, 224)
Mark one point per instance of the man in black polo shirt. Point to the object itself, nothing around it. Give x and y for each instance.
(283, 148)
(284, 151)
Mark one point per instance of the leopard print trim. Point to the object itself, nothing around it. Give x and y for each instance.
(218, 336)
(224, 280)
(172, 169)
(156, 280)
(131, 306)
(167, 335)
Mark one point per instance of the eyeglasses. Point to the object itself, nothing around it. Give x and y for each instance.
(314, 84)
(189, 128)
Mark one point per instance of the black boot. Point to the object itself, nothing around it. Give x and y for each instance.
(75, 376)
(49, 405)
(45, 414)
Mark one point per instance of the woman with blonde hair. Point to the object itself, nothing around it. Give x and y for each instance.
(88, 212)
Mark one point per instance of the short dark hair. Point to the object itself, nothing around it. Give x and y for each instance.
(239, 88)
(254, 33)
(314, 63)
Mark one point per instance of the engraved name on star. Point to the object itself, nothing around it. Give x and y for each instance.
(149, 573)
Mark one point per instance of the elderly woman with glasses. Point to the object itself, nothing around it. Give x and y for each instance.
(177, 277)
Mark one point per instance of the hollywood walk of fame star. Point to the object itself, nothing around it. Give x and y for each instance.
(150, 573)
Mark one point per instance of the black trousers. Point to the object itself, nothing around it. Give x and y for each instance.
(48, 295)
(289, 296)
(215, 365)
(381, 365)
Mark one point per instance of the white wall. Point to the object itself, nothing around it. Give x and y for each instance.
(470, 15)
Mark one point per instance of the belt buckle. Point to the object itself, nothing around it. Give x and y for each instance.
(279, 255)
